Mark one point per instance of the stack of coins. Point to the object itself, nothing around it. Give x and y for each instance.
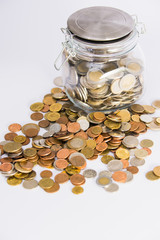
(103, 85)
(70, 138)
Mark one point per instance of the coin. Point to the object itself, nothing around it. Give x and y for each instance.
(151, 176)
(61, 178)
(156, 104)
(36, 116)
(141, 153)
(106, 159)
(83, 122)
(127, 82)
(77, 190)
(14, 127)
(115, 165)
(74, 127)
(10, 136)
(146, 143)
(63, 153)
(46, 183)
(30, 184)
(54, 188)
(13, 181)
(46, 174)
(58, 81)
(129, 176)
(133, 169)
(103, 181)
(36, 107)
(130, 142)
(156, 171)
(55, 107)
(89, 173)
(105, 173)
(146, 118)
(137, 162)
(30, 152)
(119, 176)
(77, 179)
(87, 152)
(137, 108)
(122, 153)
(125, 115)
(20, 139)
(53, 116)
(12, 147)
(113, 187)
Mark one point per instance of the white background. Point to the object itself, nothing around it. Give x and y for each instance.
(30, 40)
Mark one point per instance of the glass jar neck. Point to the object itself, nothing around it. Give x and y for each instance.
(89, 50)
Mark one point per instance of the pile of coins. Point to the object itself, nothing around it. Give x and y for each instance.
(103, 85)
(70, 138)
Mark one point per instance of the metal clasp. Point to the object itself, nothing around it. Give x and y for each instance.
(68, 45)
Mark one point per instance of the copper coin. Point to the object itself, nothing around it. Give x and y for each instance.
(10, 136)
(26, 142)
(74, 127)
(44, 123)
(61, 178)
(134, 126)
(102, 146)
(1, 150)
(119, 176)
(27, 165)
(6, 160)
(48, 157)
(63, 127)
(44, 152)
(15, 127)
(6, 167)
(77, 179)
(63, 153)
(45, 108)
(46, 174)
(148, 150)
(53, 189)
(133, 169)
(61, 163)
(36, 116)
(31, 132)
(82, 134)
(125, 163)
(62, 120)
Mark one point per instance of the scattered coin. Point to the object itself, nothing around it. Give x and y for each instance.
(89, 173)
(113, 187)
(46, 174)
(77, 190)
(30, 184)
(103, 181)
(146, 143)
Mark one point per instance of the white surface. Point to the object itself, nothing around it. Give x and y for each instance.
(30, 40)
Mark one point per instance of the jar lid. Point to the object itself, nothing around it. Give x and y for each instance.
(100, 23)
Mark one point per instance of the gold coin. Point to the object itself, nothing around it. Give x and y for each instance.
(137, 108)
(88, 152)
(151, 176)
(36, 107)
(21, 175)
(112, 125)
(96, 130)
(71, 170)
(12, 147)
(125, 115)
(53, 116)
(46, 183)
(157, 120)
(122, 153)
(149, 109)
(20, 169)
(91, 143)
(56, 90)
(103, 181)
(30, 152)
(55, 107)
(20, 139)
(106, 159)
(147, 143)
(49, 100)
(31, 175)
(136, 118)
(77, 190)
(156, 171)
(13, 181)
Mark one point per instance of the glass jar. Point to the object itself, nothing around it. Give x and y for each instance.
(102, 63)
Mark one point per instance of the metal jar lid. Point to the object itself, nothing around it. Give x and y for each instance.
(100, 24)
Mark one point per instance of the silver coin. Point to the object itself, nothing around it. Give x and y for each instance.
(113, 187)
(132, 151)
(48, 134)
(58, 81)
(14, 155)
(115, 165)
(89, 173)
(58, 169)
(129, 176)
(12, 173)
(59, 95)
(130, 142)
(141, 153)
(84, 124)
(56, 127)
(153, 126)
(125, 126)
(137, 162)
(146, 118)
(105, 173)
(30, 184)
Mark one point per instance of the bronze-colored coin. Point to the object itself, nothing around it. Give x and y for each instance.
(27, 165)
(125, 163)
(37, 116)
(151, 176)
(133, 169)
(12, 147)
(156, 171)
(137, 108)
(26, 142)
(46, 174)
(54, 188)
(62, 120)
(97, 130)
(15, 127)
(99, 116)
(61, 178)
(61, 163)
(48, 157)
(44, 152)
(6, 167)
(63, 153)
(44, 124)
(1, 150)
(91, 143)
(56, 90)
(20, 169)
(31, 132)
(30, 152)
(36, 107)
(20, 139)
(31, 175)
(77, 179)
(46, 183)
(119, 176)
(10, 136)
(45, 108)
(146, 143)
(48, 100)
(77, 190)
(73, 127)
(78, 160)
(102, 146)
(6, 160)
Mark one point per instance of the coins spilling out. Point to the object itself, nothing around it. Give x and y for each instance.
(103, 85)
(70, 138)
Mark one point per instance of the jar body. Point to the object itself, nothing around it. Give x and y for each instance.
(99, 80)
